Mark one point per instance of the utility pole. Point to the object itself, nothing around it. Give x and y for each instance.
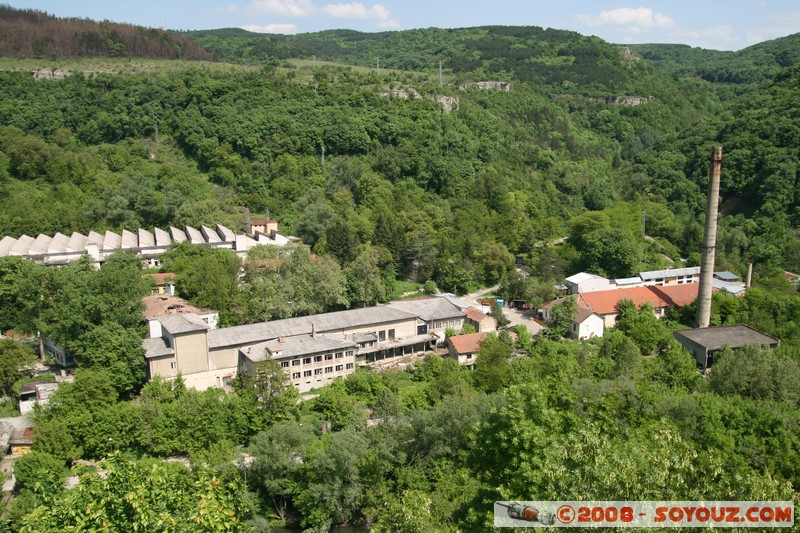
(378, 64)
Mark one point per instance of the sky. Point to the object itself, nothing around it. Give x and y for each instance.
(714, 24)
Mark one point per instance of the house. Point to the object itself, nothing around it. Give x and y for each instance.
(705, 342)
(21, 441)
(586, 324)
(601, 306)
(163, 305)
(32, 393)
(585, 282)
(464, 348)
(163, 283)
(480, 321)
(263, 226)
(604, 303)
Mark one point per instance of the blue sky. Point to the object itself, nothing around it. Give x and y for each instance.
(720, 25)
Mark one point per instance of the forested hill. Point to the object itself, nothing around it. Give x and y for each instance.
(455, 181)
(523, 53)
(755, 63)
(32, 33)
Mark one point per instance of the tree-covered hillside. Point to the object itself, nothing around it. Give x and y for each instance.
(32, 33)
(755, 63)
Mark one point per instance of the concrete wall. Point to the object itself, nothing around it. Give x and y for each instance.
(191, 350)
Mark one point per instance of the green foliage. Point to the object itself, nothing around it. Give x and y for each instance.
(38, 471)
(267, 387)
(561, 316)
(134, 496)
(15, 360)
(289, 281)
(491, 365)
(756, 372)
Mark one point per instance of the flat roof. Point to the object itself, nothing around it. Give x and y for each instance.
(323, 323)
(187, 323)
(295, 346)
(734, 336)
(580, 277)
(429, 308)
(669, 273)
(156, 348)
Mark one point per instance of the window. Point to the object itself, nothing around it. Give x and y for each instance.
(328, 369)
(350, 352)
(306, 360)
(382, 335)
(173, 365)
(391, 334)
(307, 373)
(295, 375)
(317, 358)
(295, 362)
(284, 364)
(349, 366)
(328, 356)
(338, 368)
(317, 371)
(469, 356)
(339, 355)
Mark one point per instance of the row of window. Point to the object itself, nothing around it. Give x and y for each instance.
(317, 359)
(447, 324)
(382, 335)
(319, 371)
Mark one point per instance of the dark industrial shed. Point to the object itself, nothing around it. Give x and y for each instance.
(705, 342)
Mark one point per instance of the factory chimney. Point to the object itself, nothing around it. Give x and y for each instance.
(709, 241)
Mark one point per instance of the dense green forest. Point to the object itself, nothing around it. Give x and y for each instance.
(385, 174)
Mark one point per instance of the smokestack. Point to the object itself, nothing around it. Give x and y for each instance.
(749, 278)
(313, 331)
(709, 241)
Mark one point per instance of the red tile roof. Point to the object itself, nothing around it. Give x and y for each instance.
(469, 343)
(605, 302)
(161, 278)
(678, 295)
(475, 315)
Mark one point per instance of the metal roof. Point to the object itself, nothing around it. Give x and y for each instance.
(429, 309)
(322, 323)
(726, 275)
(294, 346)
(732, 288)
(669, 273)
(734, 336)
(580, 277)
(628, 281)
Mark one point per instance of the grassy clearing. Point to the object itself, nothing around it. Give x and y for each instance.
(115, 65)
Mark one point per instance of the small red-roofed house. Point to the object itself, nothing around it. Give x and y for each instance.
(481, 321)
(464, 348)
(604, 303)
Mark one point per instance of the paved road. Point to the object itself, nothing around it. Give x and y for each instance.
(526, 318)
